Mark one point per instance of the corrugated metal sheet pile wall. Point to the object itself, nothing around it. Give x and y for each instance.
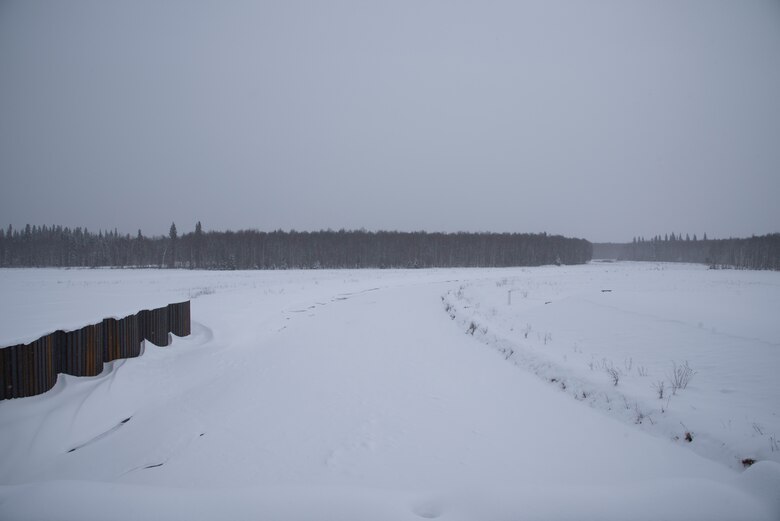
(30, 369)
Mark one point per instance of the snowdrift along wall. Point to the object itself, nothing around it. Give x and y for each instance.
(30, 369)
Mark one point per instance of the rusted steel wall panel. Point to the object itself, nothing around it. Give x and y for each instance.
(31, 369)
(110, 339)
(157, 327)
(5, 374)
(179, 318)
(129, 337)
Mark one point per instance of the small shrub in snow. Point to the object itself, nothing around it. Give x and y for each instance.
(659, 388)
(526, 330)
(681, 376)
(641, 370)
(472, 328)
(639, 415)
(613, 373)
(747, 462)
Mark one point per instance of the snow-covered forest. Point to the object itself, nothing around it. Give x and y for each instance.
(58, 246)
(757, 252)
(251, 249)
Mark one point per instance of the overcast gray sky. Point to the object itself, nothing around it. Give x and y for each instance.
(595, 119)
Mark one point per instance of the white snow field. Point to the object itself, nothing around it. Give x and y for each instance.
(355, 395)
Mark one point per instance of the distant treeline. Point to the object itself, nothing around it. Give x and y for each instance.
(759, 253)
(59, 246)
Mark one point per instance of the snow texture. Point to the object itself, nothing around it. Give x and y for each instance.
(368, 395)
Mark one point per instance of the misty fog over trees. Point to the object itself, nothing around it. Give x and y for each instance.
(59, 246)
(761, 253)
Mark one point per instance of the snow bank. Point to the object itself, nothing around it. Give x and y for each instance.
(581, 330)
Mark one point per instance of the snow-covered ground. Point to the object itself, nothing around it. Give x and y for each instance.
(364, 395)
(612, 335)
